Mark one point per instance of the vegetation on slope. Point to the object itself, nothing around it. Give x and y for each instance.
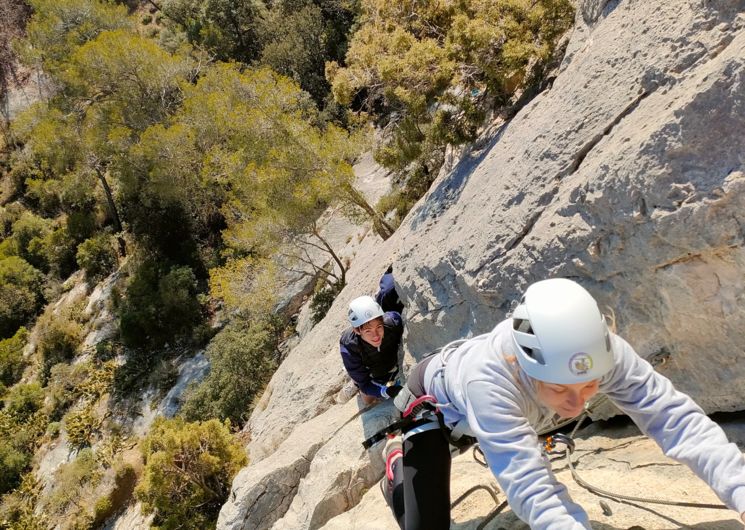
(184, 143)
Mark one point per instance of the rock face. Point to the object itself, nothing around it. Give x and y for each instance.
(627, 176)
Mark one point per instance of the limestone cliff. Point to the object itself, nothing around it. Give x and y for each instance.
(626, 175)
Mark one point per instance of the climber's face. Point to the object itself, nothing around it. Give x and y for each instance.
(372, 332)
(567, 401)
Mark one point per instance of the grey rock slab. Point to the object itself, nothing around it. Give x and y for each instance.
(313, 472)
(615, 457)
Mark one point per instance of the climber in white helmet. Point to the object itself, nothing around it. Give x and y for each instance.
(553, 355)
(369, 349)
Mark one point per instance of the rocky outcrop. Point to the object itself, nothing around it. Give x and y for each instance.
(627, 176)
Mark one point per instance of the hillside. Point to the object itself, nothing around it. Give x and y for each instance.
(191, 192)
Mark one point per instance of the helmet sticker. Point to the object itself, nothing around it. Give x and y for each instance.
(580, 363)
(368, 313)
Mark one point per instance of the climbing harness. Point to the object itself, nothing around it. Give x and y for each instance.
(422, 410)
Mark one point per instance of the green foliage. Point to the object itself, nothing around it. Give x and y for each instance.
(228, 28)
(293, 37)
(70, 478)
(20, 294)
(242, 359)
(125, 479)
(160, 305)
(102, 510)
(58, 250)
(188, 471)
(23, 400)
(424, 69)
(147, 19)
(70, 383)
(232, 123)
(138, 79)
(58, 341)
(321, 302)
(53, 430)
(59, 27)
(29, 232)
(12, 464)
(295, 45)
(17, 507)
(97, 257)
(11, 357)
(20, 432)
(81, 425)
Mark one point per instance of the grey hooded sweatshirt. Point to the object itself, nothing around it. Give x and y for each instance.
(484, 386)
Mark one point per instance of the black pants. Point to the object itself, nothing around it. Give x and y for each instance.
(419, 494)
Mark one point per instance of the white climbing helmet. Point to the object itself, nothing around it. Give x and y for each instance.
(559, 334)
(363, 309)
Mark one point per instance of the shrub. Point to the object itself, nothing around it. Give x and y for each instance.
(58, 250)
(102, 510)
(20, 294)
(188, 471)
(80, 225)
(97, 257)
(17, 507)
(23, 400)
(20, 432)
(62, 388)
(28, 232)
(81, 425)
(11, 357)
(147, 19)
(159, 306)
(70, 478)
(58, 340)
(242, 359)
(53, 430)
(12, 464)
(322, 300)
(125, 479)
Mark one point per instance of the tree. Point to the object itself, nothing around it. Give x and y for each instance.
(242, 359)
(59, 27)
(228, 28)
(160, 305)
(11, 357)
(113, 84)
(428, 71)
(20, 294)
(188, 471)
(279, 171)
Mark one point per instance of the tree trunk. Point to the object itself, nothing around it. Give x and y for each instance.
(113, 211)
(343, 271)
(380, 225)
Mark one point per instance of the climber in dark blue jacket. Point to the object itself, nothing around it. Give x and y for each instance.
(369, 349)
(387, 295)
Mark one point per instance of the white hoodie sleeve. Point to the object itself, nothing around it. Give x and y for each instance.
(676, 423)
(513, 453)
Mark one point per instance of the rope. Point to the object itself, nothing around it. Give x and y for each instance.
(569, 442)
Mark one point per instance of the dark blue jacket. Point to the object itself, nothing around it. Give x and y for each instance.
(387, 296)
(370, 367)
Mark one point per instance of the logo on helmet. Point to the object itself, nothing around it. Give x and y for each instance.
(580, 363)
(368, 314)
